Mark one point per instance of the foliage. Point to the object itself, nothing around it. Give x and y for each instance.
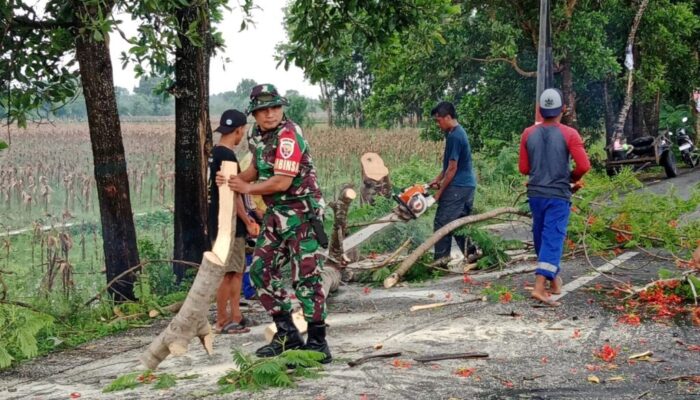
(258, 374)
(3, 145)
(135, 379)
(18, 330)
(482, 56)
(631, 219)
(500, 293)
(298, 110)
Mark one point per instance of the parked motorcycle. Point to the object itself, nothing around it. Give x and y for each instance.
(686, 145)
(642, 152)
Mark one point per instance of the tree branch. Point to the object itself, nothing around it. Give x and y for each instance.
(24, 22)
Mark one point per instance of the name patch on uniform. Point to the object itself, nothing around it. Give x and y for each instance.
(286, 165)
(286, 147)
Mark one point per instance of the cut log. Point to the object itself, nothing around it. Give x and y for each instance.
(192, 321)
(340, 222)
(375, 178)
(406, 265)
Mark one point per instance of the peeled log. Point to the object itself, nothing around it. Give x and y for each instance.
(191, 321)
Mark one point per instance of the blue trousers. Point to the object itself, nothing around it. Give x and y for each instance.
(454, 203)
(549, 220)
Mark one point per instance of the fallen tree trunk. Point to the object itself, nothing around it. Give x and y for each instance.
(191, 321)
(406, 265)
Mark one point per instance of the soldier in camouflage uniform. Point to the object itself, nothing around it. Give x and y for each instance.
(291, 232)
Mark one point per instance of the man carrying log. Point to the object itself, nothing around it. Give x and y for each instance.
(545, 153)
(456, 182)
(292, 231)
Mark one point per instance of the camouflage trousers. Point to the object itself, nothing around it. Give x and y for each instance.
(292, 247)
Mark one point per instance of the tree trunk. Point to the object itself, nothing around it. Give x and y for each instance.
(619, 126)
(192, 139)
(116, 217)
(567, 85)
(191, 321)
(609, 115)
(327, 101)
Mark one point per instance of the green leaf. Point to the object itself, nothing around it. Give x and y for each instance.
(128, 381)
(3, 145)
(97, 36)
(165, 381)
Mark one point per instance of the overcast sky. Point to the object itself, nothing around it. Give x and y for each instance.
(250, 52)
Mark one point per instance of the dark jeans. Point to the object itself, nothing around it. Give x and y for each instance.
(455, 202)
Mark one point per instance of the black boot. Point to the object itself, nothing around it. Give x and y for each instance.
(286, 338)
(317, 340)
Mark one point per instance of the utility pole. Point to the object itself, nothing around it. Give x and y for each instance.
(545, 63)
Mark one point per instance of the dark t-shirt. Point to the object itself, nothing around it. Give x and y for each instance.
(219, 154)
(457, 148)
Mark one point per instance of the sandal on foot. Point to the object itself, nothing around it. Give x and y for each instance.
(233, 328)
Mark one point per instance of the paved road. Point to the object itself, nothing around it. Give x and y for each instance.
(542, 353)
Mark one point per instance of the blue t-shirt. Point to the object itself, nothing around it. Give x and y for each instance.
(457, 148)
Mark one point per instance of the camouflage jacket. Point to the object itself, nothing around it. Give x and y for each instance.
(284, 151)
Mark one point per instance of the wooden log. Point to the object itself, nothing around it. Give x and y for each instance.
(394, 278)
(375, 178)
(340, 221)
(459, 356)
(191, 321)
(363, 360)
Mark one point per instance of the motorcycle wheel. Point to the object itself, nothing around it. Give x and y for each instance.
(668, 161)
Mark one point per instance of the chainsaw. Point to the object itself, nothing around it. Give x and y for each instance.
(413, 202)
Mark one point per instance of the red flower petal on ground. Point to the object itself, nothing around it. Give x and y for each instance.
(545, 360)
(468, 279)
(607, 353)
(366, 290)
(630, 319)
(401, 364)
(74, 395)
(508, 384)
(694, 347)
(505, 297)
(465, 372)
(576, 334)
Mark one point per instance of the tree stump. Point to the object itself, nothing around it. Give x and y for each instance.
(340, 213)
(375, 178)
(192, 321)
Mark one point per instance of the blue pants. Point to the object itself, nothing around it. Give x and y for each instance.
(248, 288)
(455, 202)
(549, 220)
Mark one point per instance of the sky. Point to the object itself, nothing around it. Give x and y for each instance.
(250, 52)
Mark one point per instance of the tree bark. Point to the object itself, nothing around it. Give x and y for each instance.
(327, 102)
(619, 126)
(375, 178)
(192, 138)
(340, 221)
(567, 86)
(112, 181)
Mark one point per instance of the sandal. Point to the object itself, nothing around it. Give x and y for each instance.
(233, 328)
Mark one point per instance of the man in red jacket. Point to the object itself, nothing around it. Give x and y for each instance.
(546, 150)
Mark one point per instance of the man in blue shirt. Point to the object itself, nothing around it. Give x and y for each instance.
(456, 182)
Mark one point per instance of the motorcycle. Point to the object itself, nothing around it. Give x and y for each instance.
(642, 152)
(686, 146)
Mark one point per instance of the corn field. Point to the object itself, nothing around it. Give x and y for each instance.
(46, 175)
